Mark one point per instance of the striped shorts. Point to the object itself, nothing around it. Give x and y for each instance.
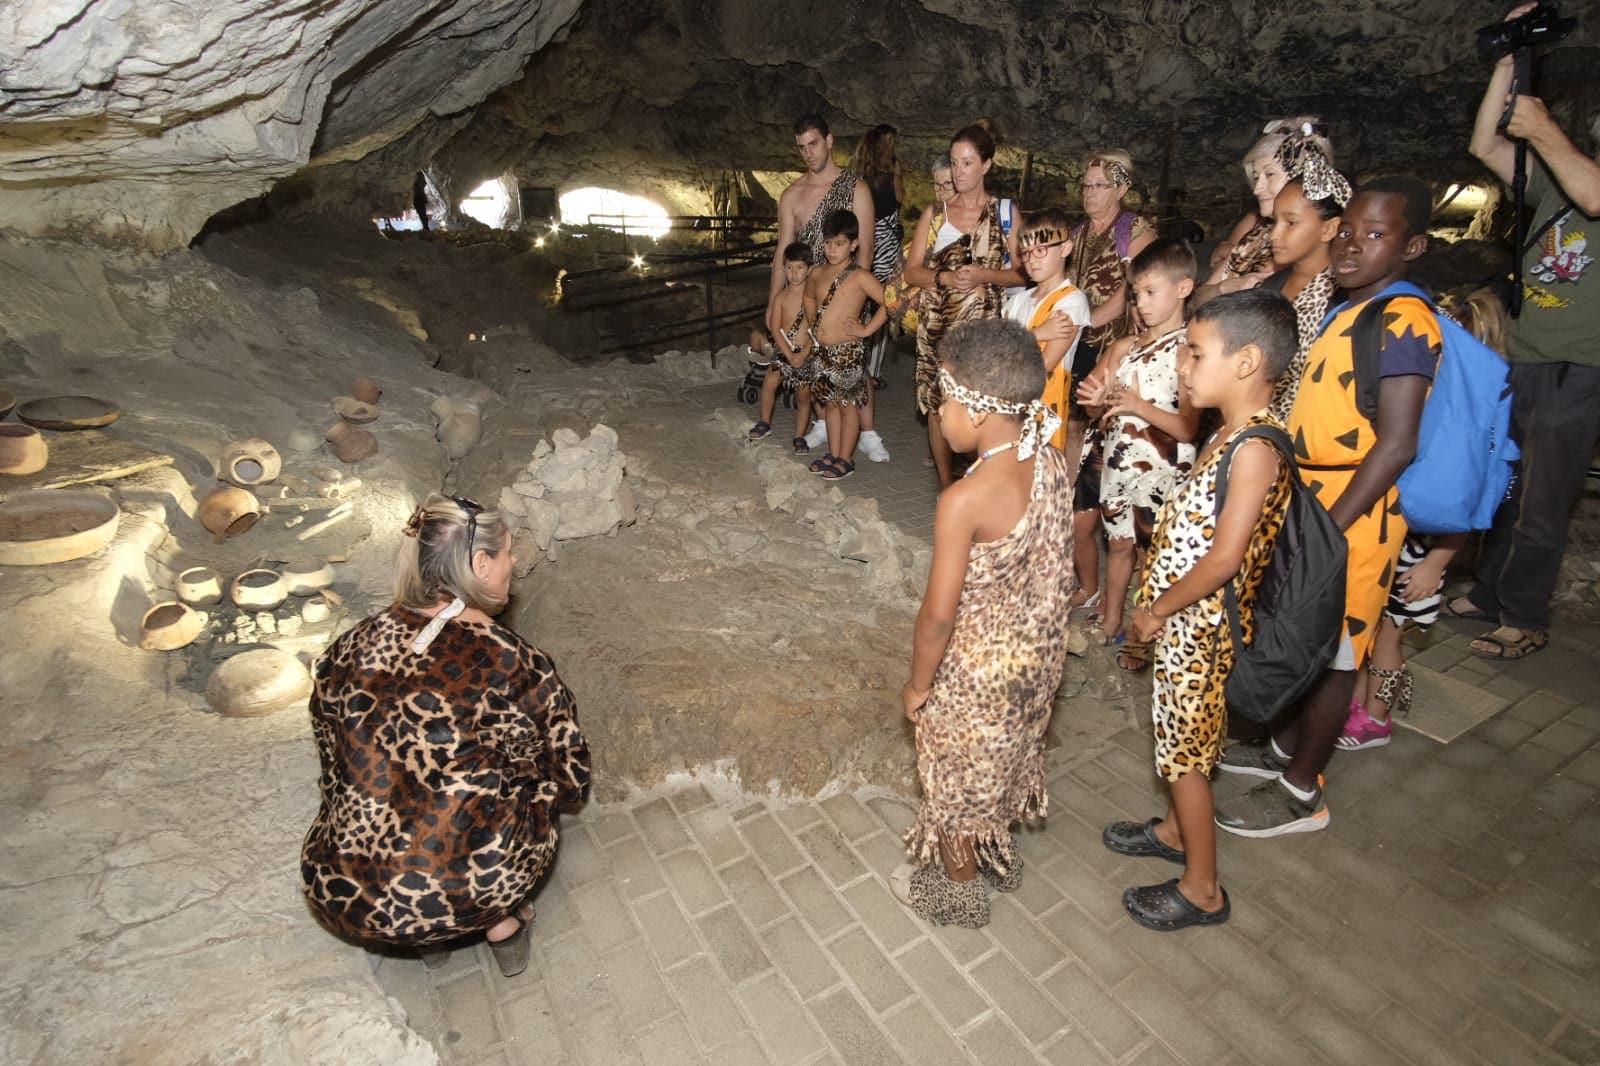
(1423, 612)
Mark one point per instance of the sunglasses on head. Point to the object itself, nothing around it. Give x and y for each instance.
(472, 507)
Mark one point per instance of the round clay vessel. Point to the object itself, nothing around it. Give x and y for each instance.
(316, 609)
(40, 526)
(459, 434)
(307, 578)
(258, 682)
(229, 512)
(259, 590)
(169, 626)
(367, 390)
(200, 586)
(303, 440)
(69, 412)
(22, 449)
(251, 462)
(353, 410)
(350, 444)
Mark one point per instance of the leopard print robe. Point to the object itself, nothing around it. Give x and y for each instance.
(980, 738)
(1195, 652)
(441, 776)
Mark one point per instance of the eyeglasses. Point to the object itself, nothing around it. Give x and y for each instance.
(944, 185)
(1095, 186)
(472, 508)
(1037, 251)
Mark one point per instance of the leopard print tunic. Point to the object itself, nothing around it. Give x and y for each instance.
(1195, 652)
(980, 739)
(441, 776)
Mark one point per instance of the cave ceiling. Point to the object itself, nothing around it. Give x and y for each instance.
(146, 117)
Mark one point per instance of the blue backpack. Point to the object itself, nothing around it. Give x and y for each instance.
(1462, 468)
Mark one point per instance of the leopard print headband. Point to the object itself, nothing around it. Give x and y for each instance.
(1042, 235)
(1114, 170)
(1039, 423)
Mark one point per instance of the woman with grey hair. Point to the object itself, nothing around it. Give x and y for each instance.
(448, 743)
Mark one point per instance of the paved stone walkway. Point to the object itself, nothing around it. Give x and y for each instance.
(1449, 914)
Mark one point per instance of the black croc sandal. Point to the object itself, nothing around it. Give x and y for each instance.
(1164, 908)
(1139, 840)
(801, 447)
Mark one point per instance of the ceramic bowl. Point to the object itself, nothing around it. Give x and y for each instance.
(367, 390)
(307, 578)
(22, 449)
(65, 413)
(258, 682)
(199, 586)
(351, 445)
(259, 590)
(229, 512)
(169, 626)
(40, 526)
(353, 410)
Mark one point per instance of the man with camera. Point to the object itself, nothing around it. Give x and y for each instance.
(1554, 345)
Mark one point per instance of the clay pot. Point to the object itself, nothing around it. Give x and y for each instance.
(229, 512)
(350, 444)
(258, 682)
(459, 433)
(367, 390)
(353, 410)
(40, 526)
(22, 449)
(307, 578)
(251, 462)
(303, 440)
(200, 586)
(259, 590)
(169, 626)
(315, 610)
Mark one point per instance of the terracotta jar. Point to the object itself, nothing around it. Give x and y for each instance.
(229, 512)
(251, 462)
(367, 390)
(169, 626)
(22, 449)
(259, 590)
(200, 586)
(350, 444)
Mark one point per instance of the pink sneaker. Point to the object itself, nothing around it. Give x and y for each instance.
(1362, 731)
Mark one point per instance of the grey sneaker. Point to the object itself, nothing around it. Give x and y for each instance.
(1254, 758)
(1271, 810)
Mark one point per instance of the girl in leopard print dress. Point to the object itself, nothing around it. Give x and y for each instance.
(448, 743)
(1239, 344)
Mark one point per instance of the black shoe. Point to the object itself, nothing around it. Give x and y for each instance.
(1164, 908)
(1139, 840)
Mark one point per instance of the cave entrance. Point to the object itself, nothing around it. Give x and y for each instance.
(496, 203)
(614, 209)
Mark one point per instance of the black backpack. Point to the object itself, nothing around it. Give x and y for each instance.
(1299, 608)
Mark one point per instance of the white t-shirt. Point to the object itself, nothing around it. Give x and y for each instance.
(1075, 305)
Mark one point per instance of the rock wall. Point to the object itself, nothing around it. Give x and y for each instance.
(141, 119)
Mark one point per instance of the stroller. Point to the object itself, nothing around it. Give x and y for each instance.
(756, 376)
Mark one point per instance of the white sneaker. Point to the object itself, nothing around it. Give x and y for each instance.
(871, 446)
(817, 435)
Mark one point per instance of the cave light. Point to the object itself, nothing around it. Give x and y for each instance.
(613, 209)
(490, 203)
(638, 262)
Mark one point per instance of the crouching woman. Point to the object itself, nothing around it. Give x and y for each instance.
(448, 744)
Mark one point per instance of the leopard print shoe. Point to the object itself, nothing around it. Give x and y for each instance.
(1002, 855)
(929, 892)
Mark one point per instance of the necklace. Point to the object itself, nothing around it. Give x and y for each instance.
(996, 450)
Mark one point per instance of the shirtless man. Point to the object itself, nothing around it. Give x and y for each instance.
(825, 187)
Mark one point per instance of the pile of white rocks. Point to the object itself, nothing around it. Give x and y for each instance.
(703, 367)
(572, 488)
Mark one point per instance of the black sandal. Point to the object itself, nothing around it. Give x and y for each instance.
(801, 447)
(1162, 907)
(759, 431)
(817, 466)
(838, 470)
(1139, 840)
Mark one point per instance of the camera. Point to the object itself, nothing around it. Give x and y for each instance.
(1542, 25)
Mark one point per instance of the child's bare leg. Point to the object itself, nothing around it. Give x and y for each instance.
(769, 392)
(1386, 655)
(960, 863)
(802, 409)
(849, 430)
(867, 424)
(940, 449)
(1086, 554)
(1119, 571)
(1197, 828)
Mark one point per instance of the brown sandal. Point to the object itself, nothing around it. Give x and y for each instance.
(1493, 645)
(1134, 656)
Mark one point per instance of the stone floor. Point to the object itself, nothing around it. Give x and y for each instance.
(1449, 914)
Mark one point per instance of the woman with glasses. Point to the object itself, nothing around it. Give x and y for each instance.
(1244, 258)
(971, 259)
(448, 743)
